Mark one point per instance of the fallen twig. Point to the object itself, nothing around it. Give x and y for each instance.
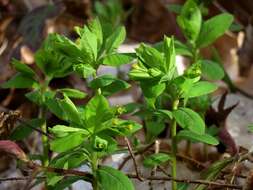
(136, 153)
(19, 178)
(202, 182)
(134, 160)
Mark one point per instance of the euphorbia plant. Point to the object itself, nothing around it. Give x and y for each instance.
(92, 128)
(87, 133)
(156, 72)
(157, 75)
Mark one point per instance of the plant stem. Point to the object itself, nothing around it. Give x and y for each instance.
(94, 170)
(98, 91)
(174, 147)
(195, 55)
(42, 115)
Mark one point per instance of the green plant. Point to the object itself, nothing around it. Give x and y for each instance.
(110, 12)
(156, 72)
(87, 133)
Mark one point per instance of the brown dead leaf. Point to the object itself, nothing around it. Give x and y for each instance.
(13, 149)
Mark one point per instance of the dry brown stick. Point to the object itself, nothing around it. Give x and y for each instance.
(136, 153)
(202, 182)
(163, 171)
(19, 178)
(29, 181)
(133, 158)
(59, 170)
(37, 167)
(196, 162)
(79, 173)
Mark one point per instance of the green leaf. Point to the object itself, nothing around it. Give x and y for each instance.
(117, 59)
(20, 80)
(66, 182)
(139, 74)
(108, 84)
(96, 28)
(190, 20)
(152, 90)
(124, 127)
(115, 87)
(53, 105)
(180, 86)
(38, 98)
(53, 179)
(102, 81)
(35, 97)
(196, 137)
(68, 142)
(150, 57)
(97, 111)
(62, 130)
(97, 103)
(73, 93)
(108, 29)
(201, 103)
(156, 159)
(70, 110)
(23, 68)
(154, 128)
(201, 88)
(211, 70)
(50, 61)
(213, 29)
(109, 178)
(182, 49)
(115, 39)
(64, 46)
(23, 130)
(84, 70)
(189, 119)
(183, 186)
(129, 108)
(166, 113)
(88, 45)
(71, 158)
(170, 57)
